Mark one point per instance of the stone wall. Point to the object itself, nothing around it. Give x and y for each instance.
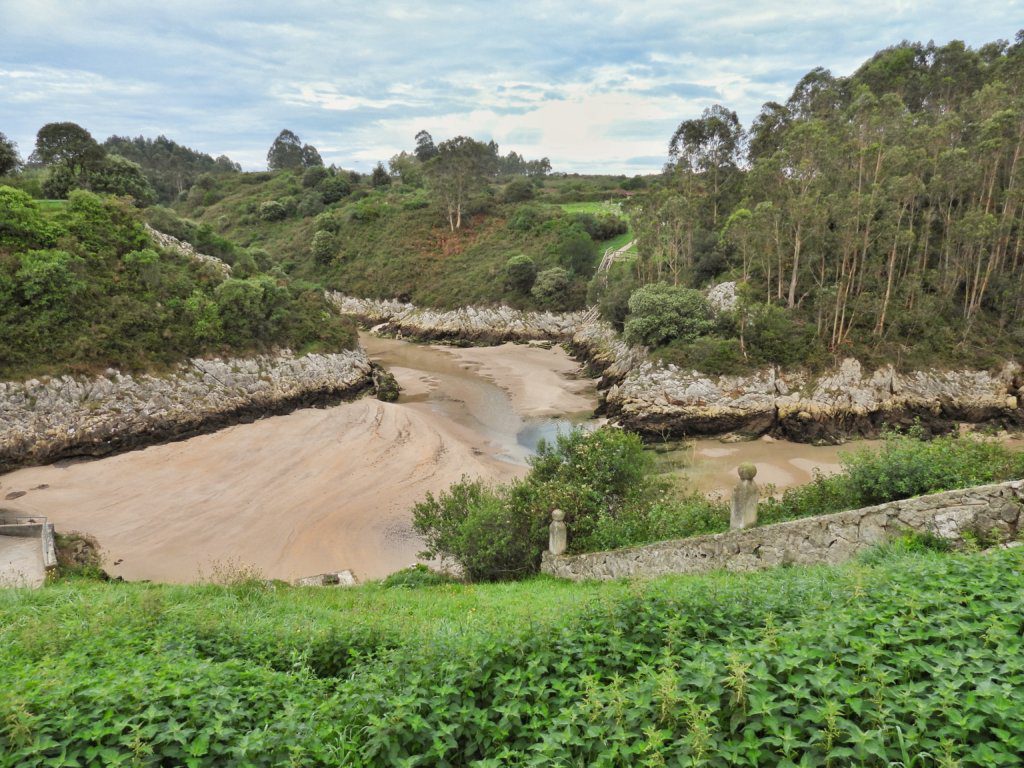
(990, 510)
(57, 417)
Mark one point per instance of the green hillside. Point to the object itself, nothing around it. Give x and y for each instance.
(84, 288)
(394, 241)
(815, 666)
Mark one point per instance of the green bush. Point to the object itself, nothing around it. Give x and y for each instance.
(314, 175)
(323, 246)
(518, 191)
(272, 210)
(904, 467)
(708, 354)
(660, 313)
(334, 189)
(520, 273)
(604, 483)
(551, 288)
(415, 577)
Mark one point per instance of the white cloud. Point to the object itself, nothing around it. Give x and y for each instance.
(588, 88)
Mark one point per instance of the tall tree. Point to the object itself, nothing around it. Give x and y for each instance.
(10, 161)
(710, 145)
(458, 171)
(288, 152)
(69, 145)
(425, 149)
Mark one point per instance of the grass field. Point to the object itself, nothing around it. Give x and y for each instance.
(878, 661)
(604, 207)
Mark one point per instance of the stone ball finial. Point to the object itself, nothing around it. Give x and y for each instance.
(557, 515)
(746, 471)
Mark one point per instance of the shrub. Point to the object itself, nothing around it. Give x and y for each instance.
(603, 482)
(904, 467)
(323, 247)
(272, 210)
(483, 529)
(416, 576)
(313, 175)
(773, 336)
(310, 204)
(334, 189)
(526, 218)
(708, 354)
(577, 251)
(551, 288)
(660, 313)
(21, 222)
(520, 273)
(518, 190)
(601, 226)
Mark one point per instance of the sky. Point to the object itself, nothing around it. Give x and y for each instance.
(595, 86)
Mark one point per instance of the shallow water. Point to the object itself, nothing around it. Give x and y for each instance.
(431, 375)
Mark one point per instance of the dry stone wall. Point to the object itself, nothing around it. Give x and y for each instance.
(42, 420)
(989, 511)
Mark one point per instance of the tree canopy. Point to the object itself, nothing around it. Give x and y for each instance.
(288, 152)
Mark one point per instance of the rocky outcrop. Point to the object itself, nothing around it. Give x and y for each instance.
(52, 418)
(988, 512)
(187, 250)
(470, 325)
(665, 401)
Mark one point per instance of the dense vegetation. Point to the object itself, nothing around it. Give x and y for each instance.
(613, 495)
(395, 240)
(82, 287)
(881, 213)
(902, 657)
(903, 467)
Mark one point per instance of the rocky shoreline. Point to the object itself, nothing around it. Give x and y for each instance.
(53, 418)
(663, 402)
(466, 325)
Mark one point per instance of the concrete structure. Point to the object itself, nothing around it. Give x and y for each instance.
(988, 511)
(27, 550)
(744, 499)
(557, 534)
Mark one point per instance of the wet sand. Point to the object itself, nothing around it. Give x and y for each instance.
(312, 491)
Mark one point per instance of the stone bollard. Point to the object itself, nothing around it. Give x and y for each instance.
(557, 533)
(744, 499)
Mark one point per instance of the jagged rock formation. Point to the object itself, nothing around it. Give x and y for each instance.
(188, 251)
(987, 511)
(53, 418)
(665, 401)
(486, 325)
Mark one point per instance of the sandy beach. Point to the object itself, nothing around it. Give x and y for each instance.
(315, 490)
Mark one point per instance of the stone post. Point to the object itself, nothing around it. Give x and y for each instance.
(744, 499)
(556, 533)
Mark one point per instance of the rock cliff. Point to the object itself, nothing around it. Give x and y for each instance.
(848, 402)
(52, 418)
(484, 325)
(663, 401)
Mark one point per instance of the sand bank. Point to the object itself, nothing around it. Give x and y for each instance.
(317, 489)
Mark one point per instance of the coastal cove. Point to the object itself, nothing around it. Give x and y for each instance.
(320, 489)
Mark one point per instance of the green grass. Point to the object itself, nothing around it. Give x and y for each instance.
(848, 666)
(607, 206)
